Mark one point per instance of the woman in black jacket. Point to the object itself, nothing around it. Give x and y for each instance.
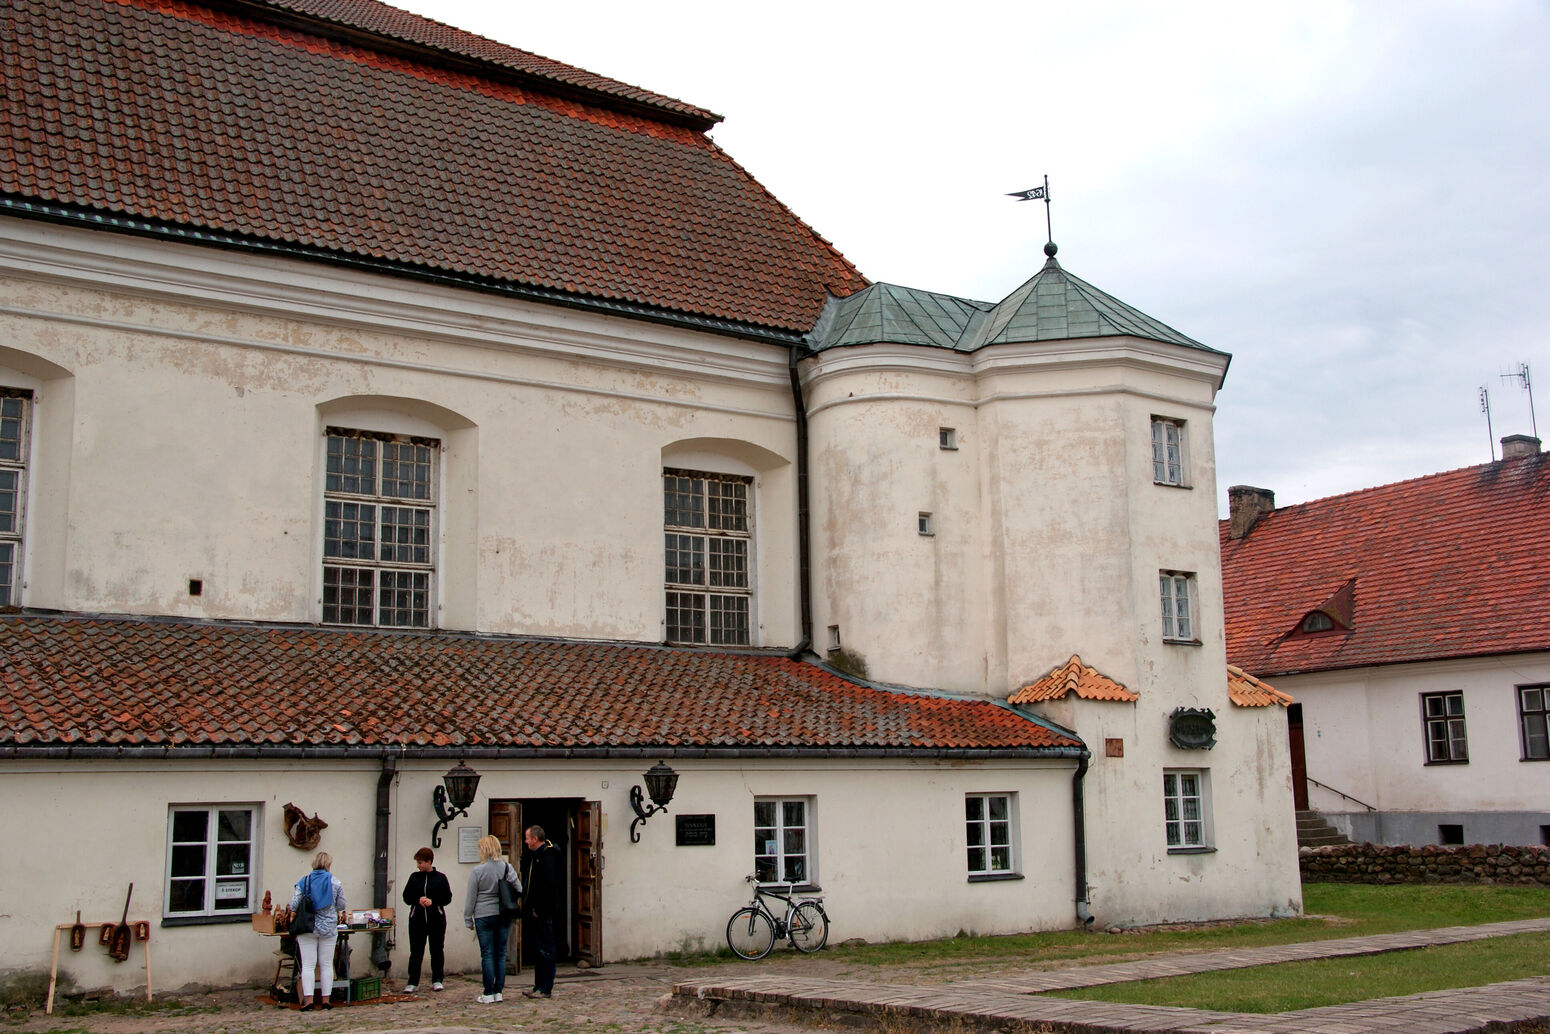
(427, 893)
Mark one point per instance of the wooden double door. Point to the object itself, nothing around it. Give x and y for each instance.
(575, 828)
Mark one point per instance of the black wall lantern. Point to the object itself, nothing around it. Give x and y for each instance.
(457, 788)
(1192, 728)
(661, 781)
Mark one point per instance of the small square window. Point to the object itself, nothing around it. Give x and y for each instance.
(212, 860)
(1534, 722)
(990, 827)
(1177, 591)
(1442, 715)
(783, 840)
(1167, 451)
(947, 437)
(1450, 833)
(1187, 809)
(926, 525)
(834, 638)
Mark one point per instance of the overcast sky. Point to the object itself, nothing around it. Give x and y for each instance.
(1351, 198)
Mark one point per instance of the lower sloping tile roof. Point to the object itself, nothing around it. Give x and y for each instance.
(1449, 565)
(146, 683)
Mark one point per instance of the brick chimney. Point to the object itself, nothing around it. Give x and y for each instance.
(1245, 505)
(1514, 446)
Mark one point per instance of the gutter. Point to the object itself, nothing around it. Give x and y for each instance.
(362, 752)
(804, 541)
(379, 870)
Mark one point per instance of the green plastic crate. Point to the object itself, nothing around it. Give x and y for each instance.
(362, 988)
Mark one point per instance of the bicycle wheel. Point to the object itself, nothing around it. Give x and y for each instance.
(809, 927)
(750, 934)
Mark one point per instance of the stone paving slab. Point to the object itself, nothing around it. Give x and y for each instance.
(1019, 999)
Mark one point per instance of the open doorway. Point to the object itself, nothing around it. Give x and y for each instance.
(572, 825)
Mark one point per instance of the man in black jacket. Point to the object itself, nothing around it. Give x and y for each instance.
(427, 892)
(539, 904)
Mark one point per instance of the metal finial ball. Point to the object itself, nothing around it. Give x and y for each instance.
(1050, 249)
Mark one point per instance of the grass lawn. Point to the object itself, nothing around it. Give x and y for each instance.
(1331, 910)
(1307, 985)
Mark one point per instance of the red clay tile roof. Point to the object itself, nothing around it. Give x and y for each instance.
(1073, 677)
(1245, 690)
(259, 122)
(1450, 565)
(382, 20)
(125, 682)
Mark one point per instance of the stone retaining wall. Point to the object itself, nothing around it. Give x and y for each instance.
(1383, 863)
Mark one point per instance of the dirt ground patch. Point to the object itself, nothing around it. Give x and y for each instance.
(617, 999)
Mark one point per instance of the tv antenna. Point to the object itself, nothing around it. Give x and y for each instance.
(1485, 407)
(1521, 376)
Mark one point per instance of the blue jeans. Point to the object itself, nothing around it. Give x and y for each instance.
(543, 941)
(492, 932)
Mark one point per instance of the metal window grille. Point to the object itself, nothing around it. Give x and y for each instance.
(14, 405)
(1444, 719)
(1184, 809)
(988, 825)
(1167, 452)
(211, 856)
(707, 570)
(1177, 592)
(782, 840)
(379, 549)
(1534, 720)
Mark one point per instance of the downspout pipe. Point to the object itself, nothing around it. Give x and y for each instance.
(804, 543)
(379, 874)
(1079, 837)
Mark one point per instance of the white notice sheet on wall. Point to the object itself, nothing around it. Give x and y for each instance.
(468, 843)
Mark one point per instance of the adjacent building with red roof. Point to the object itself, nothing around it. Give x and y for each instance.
(382, 405)
(1408, 621)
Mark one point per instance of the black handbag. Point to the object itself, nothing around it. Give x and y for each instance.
(511, 900)
(305, 916)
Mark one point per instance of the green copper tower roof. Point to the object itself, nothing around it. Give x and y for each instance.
(1052, 306)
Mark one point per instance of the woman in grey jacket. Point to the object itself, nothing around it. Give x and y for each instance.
(482, 914)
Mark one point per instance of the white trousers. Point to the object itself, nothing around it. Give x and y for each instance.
(314, 948)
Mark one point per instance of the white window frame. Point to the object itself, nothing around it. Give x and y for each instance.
(380, 606)
(1534, 721)
(774, 852)
(1170, 458)
(1187, 825)
(1179, 599)
(1443, 729)
(210, 875)
(15, 437)
(986, 834)
(703, 602)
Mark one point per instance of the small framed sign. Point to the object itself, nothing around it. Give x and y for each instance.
(468, 843)
(695, 830)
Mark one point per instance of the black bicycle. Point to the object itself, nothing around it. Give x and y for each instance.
(752, 930)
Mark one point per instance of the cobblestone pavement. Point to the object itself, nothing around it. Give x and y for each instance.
(1010, 1000)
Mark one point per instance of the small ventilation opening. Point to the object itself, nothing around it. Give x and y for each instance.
(1450, 833)
(196, 587)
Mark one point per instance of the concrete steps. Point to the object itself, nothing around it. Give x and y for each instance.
(1313, 831)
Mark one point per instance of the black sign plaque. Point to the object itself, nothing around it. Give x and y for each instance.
(696, 830)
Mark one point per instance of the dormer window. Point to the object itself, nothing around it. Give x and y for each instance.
(1318, 621)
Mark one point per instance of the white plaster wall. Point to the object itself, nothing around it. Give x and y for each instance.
(885, 833)
(1363, 734)
(191, 387)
